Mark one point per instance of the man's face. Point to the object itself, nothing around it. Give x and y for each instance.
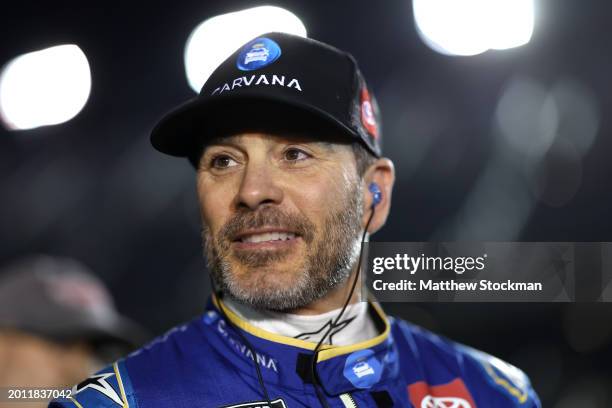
(282, 217)
(27, 360)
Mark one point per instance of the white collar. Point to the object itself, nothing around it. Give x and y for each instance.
(356, 324)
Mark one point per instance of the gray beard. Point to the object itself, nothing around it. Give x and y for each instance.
(330, 258)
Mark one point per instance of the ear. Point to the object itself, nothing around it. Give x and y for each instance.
(381, 172)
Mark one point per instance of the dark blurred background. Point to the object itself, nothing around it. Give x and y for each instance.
(508, 145)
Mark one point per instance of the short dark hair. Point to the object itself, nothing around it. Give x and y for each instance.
(363, 157)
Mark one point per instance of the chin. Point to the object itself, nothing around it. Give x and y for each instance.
(270, 279)
(271, 288)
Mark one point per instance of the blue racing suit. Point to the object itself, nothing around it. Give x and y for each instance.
(205, 363)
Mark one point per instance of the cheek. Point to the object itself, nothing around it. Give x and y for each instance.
(319, 197)
(215, 202)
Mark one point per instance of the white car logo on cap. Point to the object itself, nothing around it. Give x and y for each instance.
(258, 53)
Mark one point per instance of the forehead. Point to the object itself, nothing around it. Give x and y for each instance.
(254, 139)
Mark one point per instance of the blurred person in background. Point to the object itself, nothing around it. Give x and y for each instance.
(285, 138)
(58, 325)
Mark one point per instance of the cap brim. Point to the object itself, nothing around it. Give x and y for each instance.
(119, 330)
(123, 332)
(184, 130)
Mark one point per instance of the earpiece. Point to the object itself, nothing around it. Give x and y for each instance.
(376, 199)
(376, 194)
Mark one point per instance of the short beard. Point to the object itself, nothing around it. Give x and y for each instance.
(331, 255)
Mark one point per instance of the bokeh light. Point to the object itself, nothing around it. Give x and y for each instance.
(471, 27)
(44, 87)
(579, 113)
(527, 118)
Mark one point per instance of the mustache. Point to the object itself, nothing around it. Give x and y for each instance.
(267, 217)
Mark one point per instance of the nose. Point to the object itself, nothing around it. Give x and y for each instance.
(258, 187)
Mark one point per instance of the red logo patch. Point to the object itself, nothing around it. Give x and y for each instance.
(367, 113)
(451, 395)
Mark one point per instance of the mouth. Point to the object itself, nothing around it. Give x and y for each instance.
(265, 238)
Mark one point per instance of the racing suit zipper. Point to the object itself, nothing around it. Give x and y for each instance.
(348, 401)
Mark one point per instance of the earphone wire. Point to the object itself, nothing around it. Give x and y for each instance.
(313, 366)
(244, 340)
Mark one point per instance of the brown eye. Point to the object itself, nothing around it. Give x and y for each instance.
(295, 155)
(222, 162)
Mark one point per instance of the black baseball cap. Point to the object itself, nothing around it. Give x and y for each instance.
(276, 82)
(60, 299)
